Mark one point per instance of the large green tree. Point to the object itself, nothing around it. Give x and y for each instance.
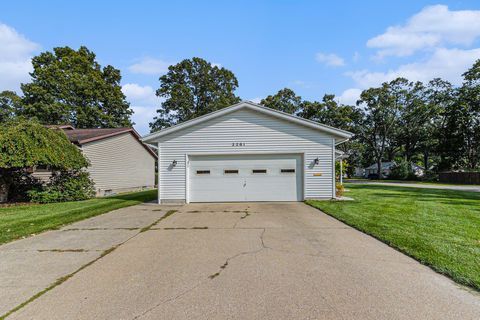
(192, 88)
(439, 143)
(25, 144)
(379, 121)
(468, 116)
(284, 100)
(70, 87)
(330, 112)
(10, 105)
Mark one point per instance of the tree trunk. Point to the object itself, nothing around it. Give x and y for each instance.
(379, 168)
(425, 161)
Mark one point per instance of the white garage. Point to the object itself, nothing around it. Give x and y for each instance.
(246, 152)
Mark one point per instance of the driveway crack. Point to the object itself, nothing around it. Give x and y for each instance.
(229, 259)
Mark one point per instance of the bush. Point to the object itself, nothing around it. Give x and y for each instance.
(340, 189)
(65, 186)
(401, 171)
(22, 183)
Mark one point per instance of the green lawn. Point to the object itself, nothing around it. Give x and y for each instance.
(439, 228)
(21, 221)
(435, 183)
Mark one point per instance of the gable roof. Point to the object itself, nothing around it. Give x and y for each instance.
(340, 135)
(384, 165)
(82, 136)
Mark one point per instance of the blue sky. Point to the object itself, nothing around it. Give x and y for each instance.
(312, 47)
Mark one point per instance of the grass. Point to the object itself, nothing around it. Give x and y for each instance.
(21, 221)
(437, 183)
(439, 228)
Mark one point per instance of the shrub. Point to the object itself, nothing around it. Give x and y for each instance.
(65, 186)
(400, 171)
(25, 144)
(340, 189)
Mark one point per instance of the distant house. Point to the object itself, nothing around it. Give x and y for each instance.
(386, 169)
(119, 161)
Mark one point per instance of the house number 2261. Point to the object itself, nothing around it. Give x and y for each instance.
(238, 144)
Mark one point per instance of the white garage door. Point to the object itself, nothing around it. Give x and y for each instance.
(223, 178)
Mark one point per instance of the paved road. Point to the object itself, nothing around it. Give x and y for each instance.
(250, 261)
(473, 188)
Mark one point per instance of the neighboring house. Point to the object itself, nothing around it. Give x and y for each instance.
(246, 152)
(359, 172)
(119, 161)
(386, 169)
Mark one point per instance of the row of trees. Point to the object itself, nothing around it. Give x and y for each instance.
(434, 124)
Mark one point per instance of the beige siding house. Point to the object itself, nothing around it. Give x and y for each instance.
(119, 161)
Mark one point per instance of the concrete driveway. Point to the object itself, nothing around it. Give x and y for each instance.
(250, 261)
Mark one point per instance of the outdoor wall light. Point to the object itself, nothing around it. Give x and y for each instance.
(316, 161)
(174, 163)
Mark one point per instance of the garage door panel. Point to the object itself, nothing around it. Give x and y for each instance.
(251, 178)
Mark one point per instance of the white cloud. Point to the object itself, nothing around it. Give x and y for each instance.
(330, 59)
(144, 103)
(256, 100)
(350, 96)
(15, 58)
(432, 27)
(448, 64)
(150, 65)
(139, 94)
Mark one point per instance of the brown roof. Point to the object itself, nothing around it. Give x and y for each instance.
(82, 136)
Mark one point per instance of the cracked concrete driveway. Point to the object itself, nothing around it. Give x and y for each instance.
(251, 261)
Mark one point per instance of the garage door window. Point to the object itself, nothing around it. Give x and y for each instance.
(230, 171)
(287, 170)
(257, 171)
(203, 171)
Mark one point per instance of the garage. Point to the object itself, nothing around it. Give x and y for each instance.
(246, 152)
(237, 178)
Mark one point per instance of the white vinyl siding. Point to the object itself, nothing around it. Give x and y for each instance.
(246, 131)
(119, 163)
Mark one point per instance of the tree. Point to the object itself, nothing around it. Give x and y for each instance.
(468, 116)
(378, 123)
(192, 88)
(10, 105)
(416, 116)
(440, 97)
(25, 144)
(70, 87)
(284, 100)
(331, 113)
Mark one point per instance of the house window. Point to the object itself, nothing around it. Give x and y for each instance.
(230, 171)
(259, 171)
(287, 170)
(203, 171)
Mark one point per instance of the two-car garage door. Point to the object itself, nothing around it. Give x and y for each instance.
(223, 178)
